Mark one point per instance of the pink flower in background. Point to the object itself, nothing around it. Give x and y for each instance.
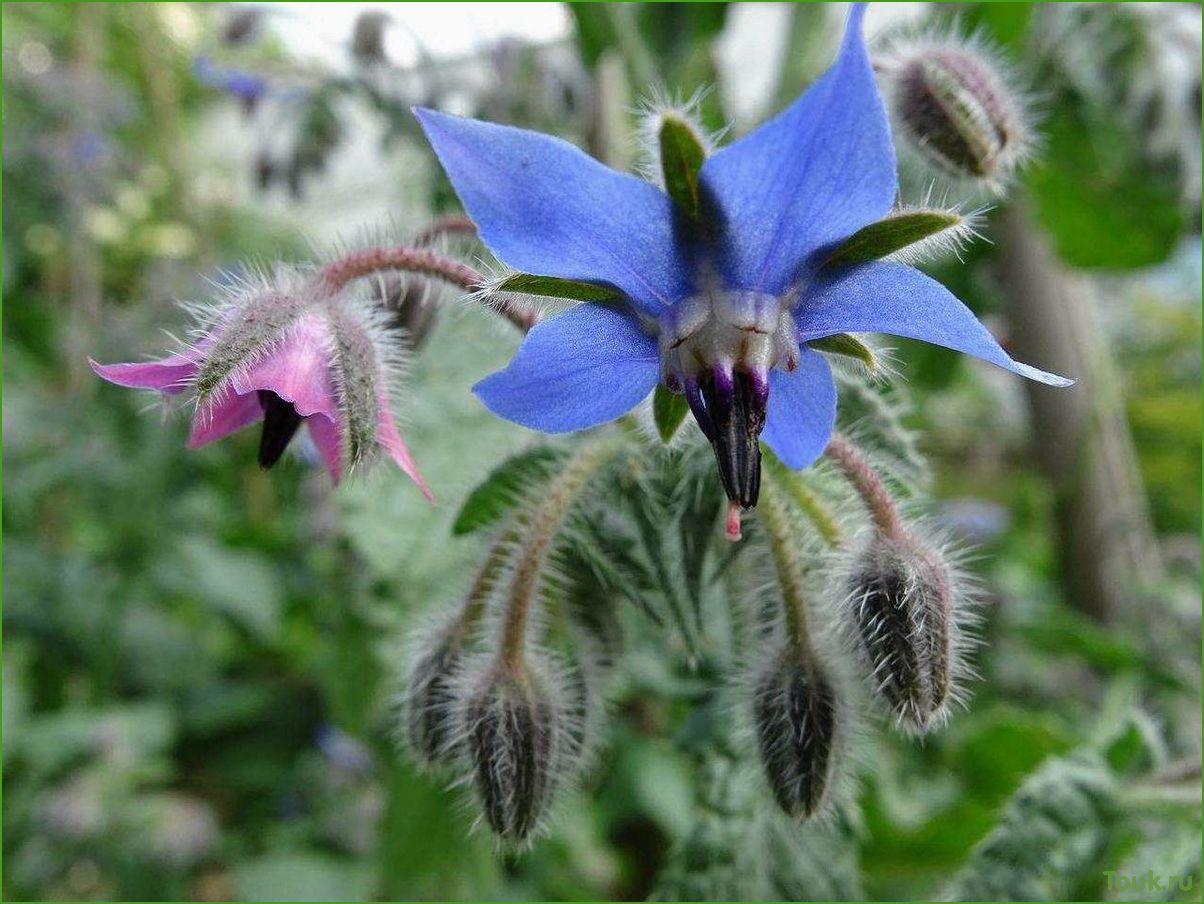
(287, 358)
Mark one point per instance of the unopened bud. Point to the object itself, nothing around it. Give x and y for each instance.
(901, 604)
(515, 728)
(955, 106)
(797, 721)
(429, 719)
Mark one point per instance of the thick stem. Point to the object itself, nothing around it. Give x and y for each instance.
(783, 546)
(1085, 450)
(869, 486)
(425, 261)
(540, 531)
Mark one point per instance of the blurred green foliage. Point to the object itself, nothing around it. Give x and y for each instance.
(200, 659)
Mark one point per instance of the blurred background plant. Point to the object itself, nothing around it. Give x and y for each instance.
(199, 658)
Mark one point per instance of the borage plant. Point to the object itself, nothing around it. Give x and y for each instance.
(732, 289)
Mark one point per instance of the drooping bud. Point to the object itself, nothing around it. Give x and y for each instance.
(901, 603)
(954, 104)
(797, 716)
(516, 740)
(287, 349)
(428, 717)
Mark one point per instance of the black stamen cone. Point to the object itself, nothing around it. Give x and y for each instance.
(737, 416)
(280, 423)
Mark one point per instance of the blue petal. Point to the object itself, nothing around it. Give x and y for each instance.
(880, 297)
(583, 367)
(544, 207)
(802, 410)
(813, 175)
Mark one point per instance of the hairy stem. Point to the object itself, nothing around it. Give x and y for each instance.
(869, 486)
(539, 531)
(358, 264)
(783, 545)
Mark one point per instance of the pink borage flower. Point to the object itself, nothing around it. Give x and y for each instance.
(287, 351)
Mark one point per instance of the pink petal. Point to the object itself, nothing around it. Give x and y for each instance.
(297, 370)
(390, 440)
(325, 434)
(222, 417)
(170, 375)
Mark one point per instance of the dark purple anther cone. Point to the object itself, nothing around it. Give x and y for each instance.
(732, 416)
(280, 423)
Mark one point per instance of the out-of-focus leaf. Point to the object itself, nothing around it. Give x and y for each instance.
(1048, 837)
(501, 490)
(302, 876)
(1085, 166)
(236, 582)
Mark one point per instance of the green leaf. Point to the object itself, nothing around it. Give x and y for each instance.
(1078, 182)
(682, 152)
(849, 346)
(501, 490)
(893, 233)
(552, 287)
(669, 410)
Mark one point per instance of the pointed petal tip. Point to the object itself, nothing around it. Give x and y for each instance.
(169, 375)
(1041, 376)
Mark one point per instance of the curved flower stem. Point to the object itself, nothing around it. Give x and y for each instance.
(869, 486)
(486, 578)
(425, 261)
(452, 224)
(783, 546)
(540, 530)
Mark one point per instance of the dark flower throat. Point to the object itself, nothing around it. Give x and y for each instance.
(280, 423)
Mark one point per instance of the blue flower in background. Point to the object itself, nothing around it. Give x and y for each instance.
(720, 309)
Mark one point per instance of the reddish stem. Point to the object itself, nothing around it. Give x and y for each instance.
(869, 486)
(358, 264)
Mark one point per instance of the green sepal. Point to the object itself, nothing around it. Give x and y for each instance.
(682, 153)
(554, 287)
(669, 410)
(847, 345)
(893, 233)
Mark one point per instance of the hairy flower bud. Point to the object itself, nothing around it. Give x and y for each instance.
(428, 717)
(796, 713)
(955, 106)
(901, 599)
(515, 728)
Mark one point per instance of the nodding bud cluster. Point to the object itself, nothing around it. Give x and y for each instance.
(954, 103)
(799, 727)
(900, 597)
(515, 728)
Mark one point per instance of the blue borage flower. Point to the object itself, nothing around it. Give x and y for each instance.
(719, 306)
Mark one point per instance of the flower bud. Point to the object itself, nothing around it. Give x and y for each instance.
(428, 717)
(955, 106)
(798, 728)
(516, 737)
(900, 595)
